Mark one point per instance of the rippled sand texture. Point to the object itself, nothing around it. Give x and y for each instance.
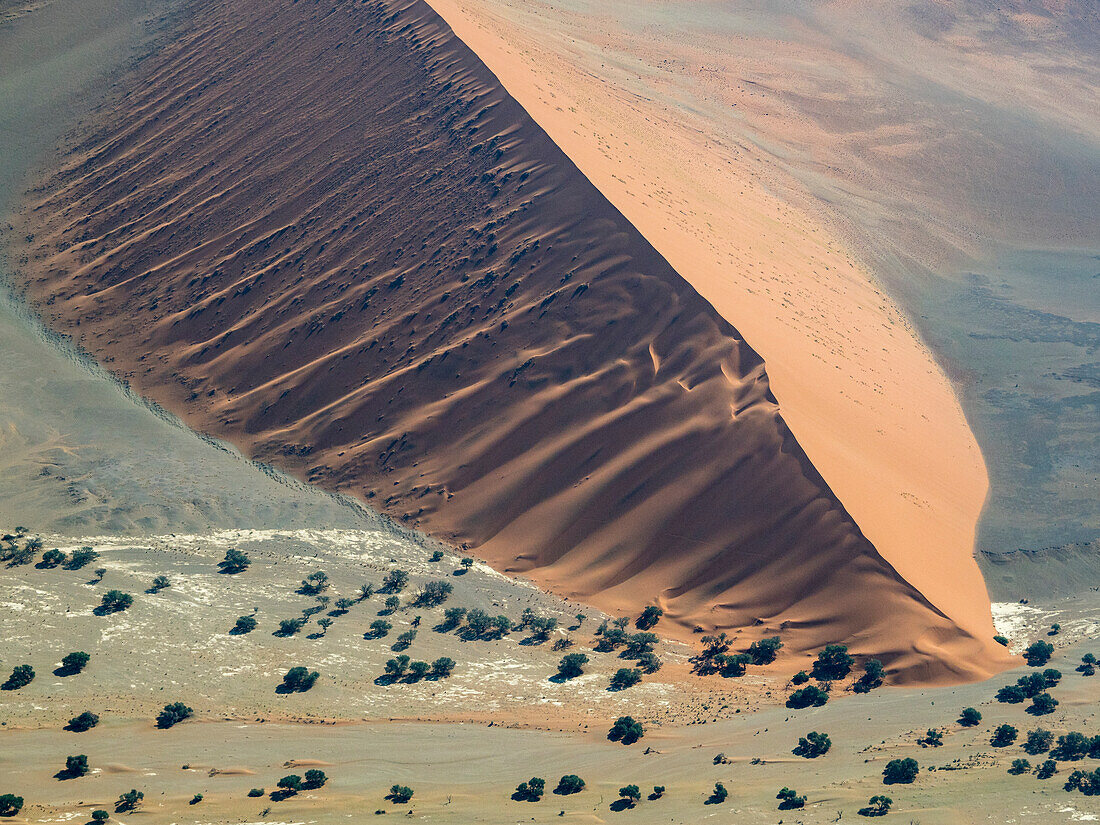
(329, 236)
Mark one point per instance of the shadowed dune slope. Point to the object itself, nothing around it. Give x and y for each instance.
(325, 233)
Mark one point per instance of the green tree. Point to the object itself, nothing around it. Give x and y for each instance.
(812, 745)
(10, 804)
(234, 562)
(100, 816)
(809, 696)
(878, 806)
(790, 800)
(173, 714)
(571, 665)
(467, 563)
(160, 583)
(1042, 704)
(397, 666)
(81, 557)
(74, 662)
(649, 618)
(569, 784)
(625, 677)
(442, 667)
(418, 670)
(290, 627)
(291, 784)
(763, 652)
(1038, 741)
(314, 584)
(379, 628)
(400, 794)
(114, 601)
(20, 677)
(299, 680)
(900, 771)
(1019, 766)
(874, 674)
(631, 794)
(129, 800)
(52, 558)
(1003, 736)
(76, 766)
(395, 581)
(531, 790)
(314, 778)
(85, 721)
(245, 624)
(719, 794)
(1038, 653)
(832, 663)
(626, 730)
(970, 717)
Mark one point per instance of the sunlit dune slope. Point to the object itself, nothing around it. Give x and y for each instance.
(325, 233)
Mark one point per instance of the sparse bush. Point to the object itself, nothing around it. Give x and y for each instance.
(173, 714)
(1038, 653)
(299, 680)
(626, 730)
(1003, 736)
(256, 792)
(10, 804)
(395, 581)
(790, 800)
(400, 794)
(405, 639)
(1011, 694)
(569, 784)
(245, 624)
(1001, 640)
(397, 666)
(1047, 769)
(649, 618)
(345, 604)
(467, 563)
(731, 666)
(391, 604)
(874, 674)
(52, 558)
(531, 790)
(290, 627)
(81, 557)
(649, 663)
(74, 662)
(20, 677)
(809, 696)
(129, 800)
(314, 584)
(436, 556)
(639, 644)
(625, 677)
(291, 784)
(900, 771)
(160, 583)
(1038, 741)
(452, 618)
(433, 594)
(85, 721)
(379, 628)
(658, 792)
(630, 794)
(1071, 746)
(812, 745)
(234, 562)
(719, 794)
(99, 572)
(832, 663)
(1042, 704)
(100, 816)
(800, 678)
(1052, 677)
(763, 652)
(571, 665)
(1019, 766)
(314, 778)
(418, 670)
(114, 601)
(442, 667)
(324, 623)
(365, 592)
(196, 799)
(878, 806)
(932, 739)
(970, 717)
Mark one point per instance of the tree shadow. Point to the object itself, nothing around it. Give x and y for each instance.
(281, 794)
(386, 680)
(621, 805)
(65, 774)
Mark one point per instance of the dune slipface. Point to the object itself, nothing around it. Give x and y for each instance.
(325, 233)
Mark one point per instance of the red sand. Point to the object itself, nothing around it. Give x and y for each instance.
(327, 234)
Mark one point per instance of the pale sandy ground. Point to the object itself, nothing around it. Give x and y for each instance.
(876, 414)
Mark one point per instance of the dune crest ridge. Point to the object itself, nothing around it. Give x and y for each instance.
(328, 235)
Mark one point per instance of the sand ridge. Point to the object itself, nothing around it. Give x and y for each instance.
(298, 217)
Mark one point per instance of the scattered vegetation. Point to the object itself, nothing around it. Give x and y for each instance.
(571, 665)
(1038, 653)
(245, 624)
(129, 800)
(624, 678)
(400, 794)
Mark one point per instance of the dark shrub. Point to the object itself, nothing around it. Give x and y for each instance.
(790, 800)
(1038, 741)
(234, 562)
(81, 557)
(569, 784)
(114, 601)
(442, 667)
(85, 721)
(1019, 766)
(245, 624)
(1042, 704)
(298, 680)
(400, 794)
(809, 696)
(314, 779)
(812, 745)
(10, 804)
(1038, 653)
(626, 730)
(970, 717)
(530, 791)
(572, 665)
(873, 676)
(630, 794)
(1003, 736)
(173, 714)
(129, 800)
(832, 663)
(763, 652)
(20, 677)
(900, 771)
(395, 581)
(649, 618)
(625, 677)
(878, 806)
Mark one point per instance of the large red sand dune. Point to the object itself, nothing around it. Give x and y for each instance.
(324, 232)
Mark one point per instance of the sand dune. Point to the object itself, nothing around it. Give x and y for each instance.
(327, 234)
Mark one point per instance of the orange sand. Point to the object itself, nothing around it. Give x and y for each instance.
(327, 234)
(874, 412)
